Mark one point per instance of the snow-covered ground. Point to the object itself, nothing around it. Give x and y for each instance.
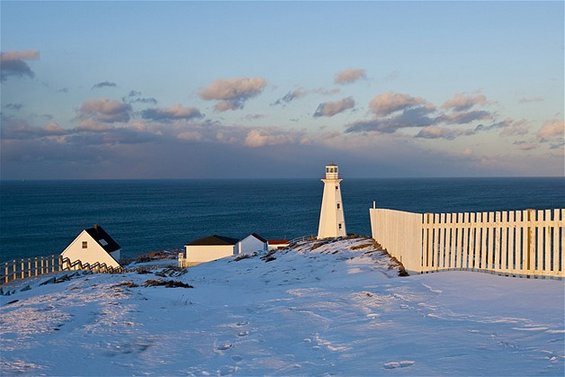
(337, 310)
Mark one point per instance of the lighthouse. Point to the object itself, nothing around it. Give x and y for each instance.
(332, 221)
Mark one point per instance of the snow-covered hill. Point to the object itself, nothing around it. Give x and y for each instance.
(337, 308)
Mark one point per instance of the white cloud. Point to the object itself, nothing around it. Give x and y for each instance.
(232, 94)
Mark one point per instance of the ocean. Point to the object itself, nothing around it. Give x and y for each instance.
(43, 217)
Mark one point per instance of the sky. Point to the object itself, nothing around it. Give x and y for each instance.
(151, 90)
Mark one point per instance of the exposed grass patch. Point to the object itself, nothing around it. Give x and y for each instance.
(166, 283)
(128, 284)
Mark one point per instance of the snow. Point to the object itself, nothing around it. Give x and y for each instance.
(340, 309)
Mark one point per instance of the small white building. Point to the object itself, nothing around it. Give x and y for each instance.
(277, 244)
(94, 245)
(208, 249)
(250, 244)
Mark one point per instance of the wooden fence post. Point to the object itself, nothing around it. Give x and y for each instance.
(530, 258)
(6, 272)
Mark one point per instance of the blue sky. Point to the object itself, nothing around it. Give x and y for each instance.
(277, 89)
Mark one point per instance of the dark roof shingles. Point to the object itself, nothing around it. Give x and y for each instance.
(214, 240)
(99, 234)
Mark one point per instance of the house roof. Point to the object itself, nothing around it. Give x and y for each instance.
(258, 237)
(103, 238)
(277, 242)
(214, 240)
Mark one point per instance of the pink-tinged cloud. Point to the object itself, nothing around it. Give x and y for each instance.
(329, 109)
(390, 102)
(90, 125)
(232, 94)
(350, 75)
(19, 55)
(12, 63)
(257, 138)
(190, 136)
(462, 102)
(176, 112)
(105, 110)
(552, 130)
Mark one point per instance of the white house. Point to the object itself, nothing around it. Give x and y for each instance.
(94, 245)
(208, 249)
(251, 244)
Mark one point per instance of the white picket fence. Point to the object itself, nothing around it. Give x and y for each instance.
(524, 242)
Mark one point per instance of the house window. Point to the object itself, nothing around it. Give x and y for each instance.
(337, 187)
(84, 244)
(339, 226)
(337, 205)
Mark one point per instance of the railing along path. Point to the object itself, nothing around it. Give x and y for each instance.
(43, 265)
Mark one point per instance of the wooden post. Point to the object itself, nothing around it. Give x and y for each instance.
(511, 236)
(562, 229)
(471, 259)
(441, 243)
(531, 241)
(35, 265)
(547, 242)
(53, 263)
(497, 236)
(6, 272)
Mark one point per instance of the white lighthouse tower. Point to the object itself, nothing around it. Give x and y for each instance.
(332, 221)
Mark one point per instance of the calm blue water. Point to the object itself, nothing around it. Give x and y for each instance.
(41, 218)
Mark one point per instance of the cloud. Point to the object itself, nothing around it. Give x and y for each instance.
(393, 111)
(531, 99)
(461, 102)
(552, 130)
(465, 117)
(105, 110)
(435, 132)
(409, 117)
(104, 84)
(176, 112)
(90, 125)
(232, 94)
(135, 97)
(14, 106)
(257, 138)
(525, 146)
(350, 75)
(390, 102)
(18, 129)
(12, 63)
(329, 109)
(290, 96)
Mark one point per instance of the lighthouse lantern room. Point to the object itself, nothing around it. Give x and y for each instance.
(332, 220)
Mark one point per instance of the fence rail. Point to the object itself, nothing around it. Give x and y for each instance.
(37, 266)
(524, 242)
